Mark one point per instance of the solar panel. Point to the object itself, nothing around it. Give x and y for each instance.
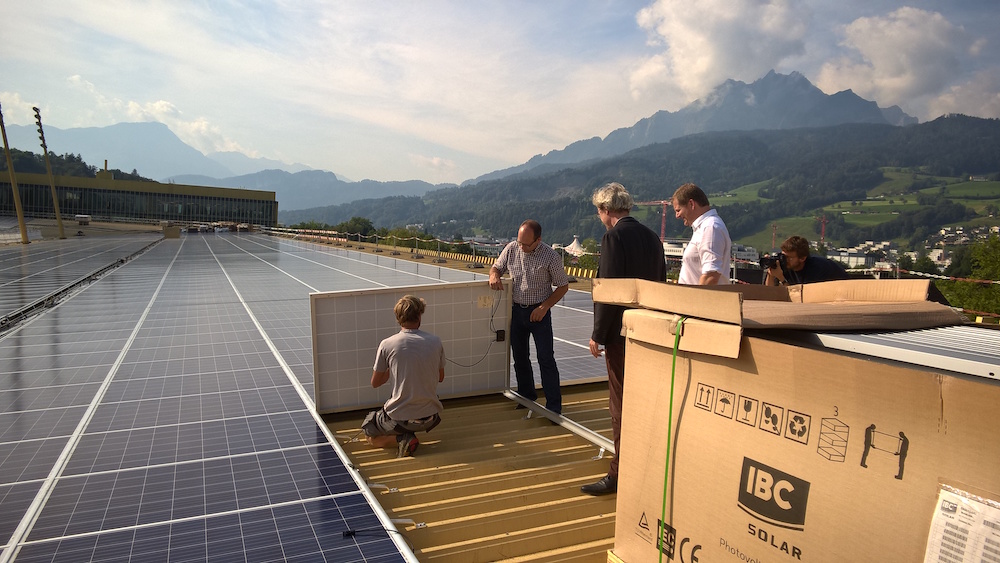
(165, 411)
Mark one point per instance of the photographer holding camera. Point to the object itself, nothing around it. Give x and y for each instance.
(794, 265)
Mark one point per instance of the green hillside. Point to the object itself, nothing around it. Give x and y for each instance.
(870, 181)
(901, 192)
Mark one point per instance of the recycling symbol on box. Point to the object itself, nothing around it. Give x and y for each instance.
(797, 428)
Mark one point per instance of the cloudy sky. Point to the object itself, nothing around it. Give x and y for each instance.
(447, 90)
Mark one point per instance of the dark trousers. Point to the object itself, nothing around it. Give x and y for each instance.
(520, 328)
(614, 357)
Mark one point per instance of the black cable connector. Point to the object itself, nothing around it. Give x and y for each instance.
(350, 532)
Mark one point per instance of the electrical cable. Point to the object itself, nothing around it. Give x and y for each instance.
(493, 312)
(351, 533)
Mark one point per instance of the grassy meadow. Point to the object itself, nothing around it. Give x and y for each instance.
(898, 193)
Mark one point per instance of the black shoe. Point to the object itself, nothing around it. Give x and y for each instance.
(605, 486)
(519, 407)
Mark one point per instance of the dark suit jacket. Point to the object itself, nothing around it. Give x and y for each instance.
(628, 250)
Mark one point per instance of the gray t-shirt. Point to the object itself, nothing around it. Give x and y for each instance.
(414, 359)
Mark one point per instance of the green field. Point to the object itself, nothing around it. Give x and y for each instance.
(885, 202)
(743, 194)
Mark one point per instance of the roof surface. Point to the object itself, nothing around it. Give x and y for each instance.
(162, 409)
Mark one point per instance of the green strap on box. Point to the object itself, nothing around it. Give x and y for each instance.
(670, 422)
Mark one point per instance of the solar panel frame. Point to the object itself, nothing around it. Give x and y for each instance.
(209, 382)
(169, 376)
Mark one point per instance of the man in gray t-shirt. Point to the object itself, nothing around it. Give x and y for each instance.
(413, 360)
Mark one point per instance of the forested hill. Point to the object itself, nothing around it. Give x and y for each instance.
(801, 170)
(64, 165)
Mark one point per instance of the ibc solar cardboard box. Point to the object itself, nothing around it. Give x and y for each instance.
(789, 441)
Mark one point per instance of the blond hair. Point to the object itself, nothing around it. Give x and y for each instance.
(409, 309)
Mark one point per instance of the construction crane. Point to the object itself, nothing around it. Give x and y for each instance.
(822, 235)
(663, 218)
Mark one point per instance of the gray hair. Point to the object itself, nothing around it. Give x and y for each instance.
(613, 197)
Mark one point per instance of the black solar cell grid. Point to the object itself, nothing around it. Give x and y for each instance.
(176, 379)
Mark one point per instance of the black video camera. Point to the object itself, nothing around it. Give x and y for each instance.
(768, 262)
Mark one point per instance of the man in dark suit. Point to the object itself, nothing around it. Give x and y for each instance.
(629, 249)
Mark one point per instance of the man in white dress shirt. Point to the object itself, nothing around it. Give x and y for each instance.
(708, 257)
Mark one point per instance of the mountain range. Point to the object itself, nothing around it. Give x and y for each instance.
(150, 148)
(775, 101)
(153, 151)
(753, 178)
(311, 188)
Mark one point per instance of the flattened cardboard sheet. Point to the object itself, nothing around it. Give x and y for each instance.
(857, 305)
(865, 291)
(848, 316)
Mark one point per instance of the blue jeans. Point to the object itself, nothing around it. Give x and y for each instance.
(520, 328)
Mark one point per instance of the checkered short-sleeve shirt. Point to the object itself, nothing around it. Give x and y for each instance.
(533, 274)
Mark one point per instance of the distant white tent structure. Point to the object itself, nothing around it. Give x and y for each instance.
(575, 248)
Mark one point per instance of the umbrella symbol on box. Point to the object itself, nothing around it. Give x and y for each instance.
(725, 404)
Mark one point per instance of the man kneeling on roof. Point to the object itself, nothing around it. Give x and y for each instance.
(413, 360)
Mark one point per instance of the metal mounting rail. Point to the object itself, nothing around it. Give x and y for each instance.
(17, 316)
(574, 427)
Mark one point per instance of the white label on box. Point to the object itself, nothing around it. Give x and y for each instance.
(965, 529)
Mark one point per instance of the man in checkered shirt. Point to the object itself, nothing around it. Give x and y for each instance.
(534, 269)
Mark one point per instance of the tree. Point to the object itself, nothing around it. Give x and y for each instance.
(986, 259)
(979, 296)
(589, 260)
(905, 262)
(356, 226)
(311, 225)
(924, 264)
(961, 262)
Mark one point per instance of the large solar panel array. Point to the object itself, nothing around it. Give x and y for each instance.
(164, 412)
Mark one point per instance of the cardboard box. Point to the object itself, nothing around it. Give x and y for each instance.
(766, 447)
(837, 305)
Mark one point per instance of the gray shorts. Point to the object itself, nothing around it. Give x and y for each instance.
(378, 423)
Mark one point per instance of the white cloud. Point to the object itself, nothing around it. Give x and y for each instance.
(977, 46)
(907, 54)
(979, 96)
(197, 132)
(16, 110)
(435, 164)
(707, 42)
(360, 88)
